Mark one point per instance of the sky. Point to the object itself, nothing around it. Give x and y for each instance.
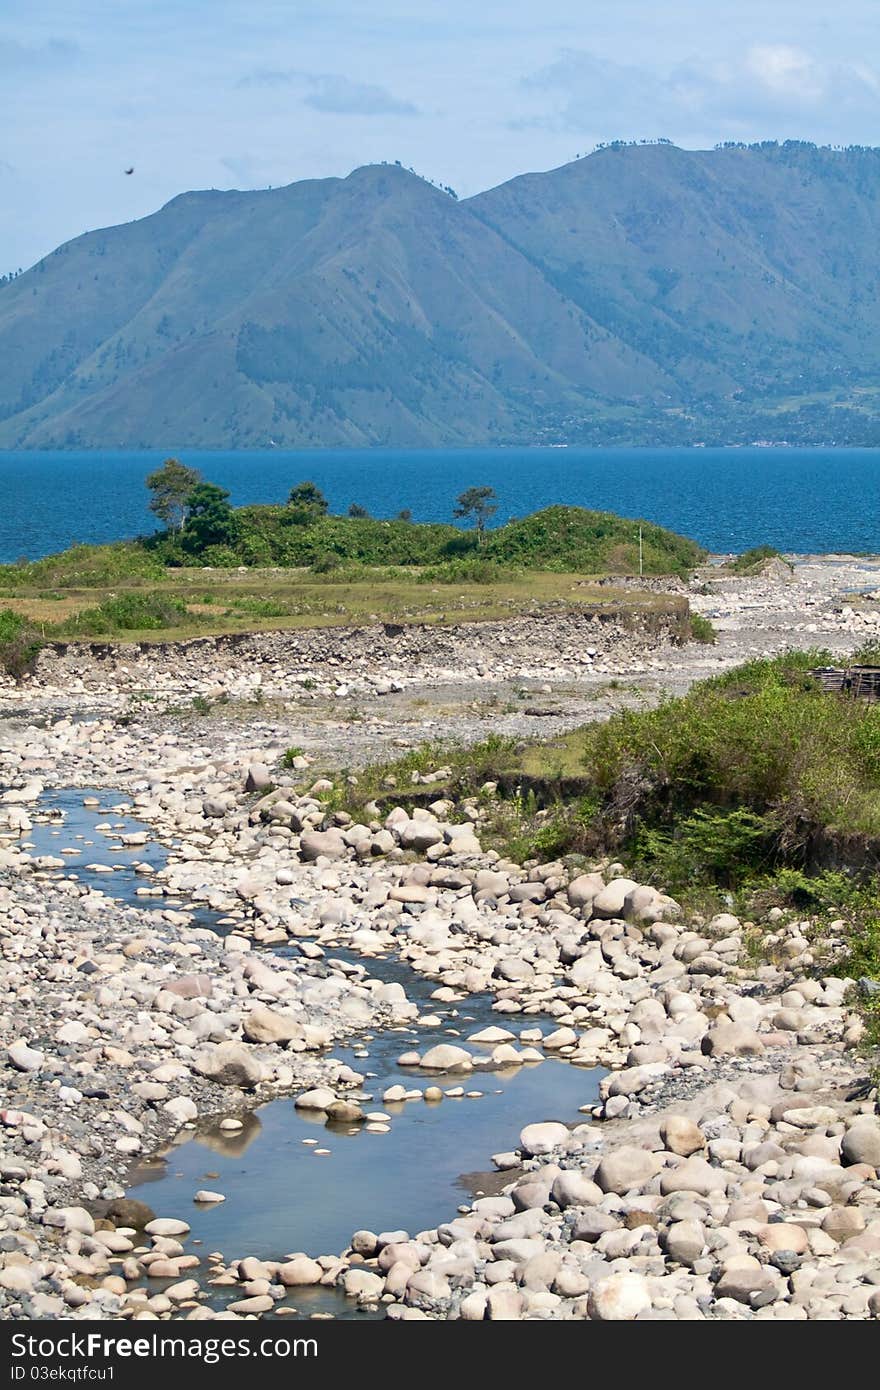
(251, 93)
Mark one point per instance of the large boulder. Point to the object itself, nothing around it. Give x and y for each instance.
(446, 1057)
(626, 1169)
(420, 835)
(681, 1136)
(326, 844)
(731, 1040)
(317, 1099)
(128, 1211)
(574, 1189)
(694, 1175)
(300, 1272)
(257, 778)
(619, 1298)
(861, 1143)
(684, 1241)
(229, 1064)
(583, 890)
(265, 1025)
(542, 1138)
(611, 901)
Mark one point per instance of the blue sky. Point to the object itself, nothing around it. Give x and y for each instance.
(246, 93)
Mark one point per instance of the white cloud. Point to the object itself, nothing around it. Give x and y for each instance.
(332, 92)
(342, 96)
(761, 91)
(786, 71)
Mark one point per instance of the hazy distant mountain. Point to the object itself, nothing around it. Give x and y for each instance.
(643, 293)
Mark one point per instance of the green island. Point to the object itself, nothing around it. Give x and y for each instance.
(215, 568)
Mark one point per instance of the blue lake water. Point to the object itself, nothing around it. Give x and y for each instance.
(728, 499)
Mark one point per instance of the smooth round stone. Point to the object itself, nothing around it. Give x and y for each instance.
(166, 1226)
(209, 1198)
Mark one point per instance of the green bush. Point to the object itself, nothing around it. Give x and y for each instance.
(261, 607)
(131, 612)
(85, 567)
(573, 539)
(477, 571)
(20, 644)
(709, 846)
(326, 562)
(702, 630)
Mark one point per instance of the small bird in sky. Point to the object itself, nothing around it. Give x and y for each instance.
(131, 170)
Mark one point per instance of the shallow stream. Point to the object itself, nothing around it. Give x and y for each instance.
(282, 1196)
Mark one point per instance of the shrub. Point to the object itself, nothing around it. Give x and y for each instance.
(325, 562)
(261, 607)
(85, 567)
(129, 612)
(702, 630)
(20, 644)
(709, 846)
(475, 571)
(574, 539)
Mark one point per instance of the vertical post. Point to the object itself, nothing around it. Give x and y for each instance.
(641, 555)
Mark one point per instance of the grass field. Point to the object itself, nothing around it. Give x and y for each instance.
(260, 600)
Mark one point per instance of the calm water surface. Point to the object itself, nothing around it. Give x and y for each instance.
(728, 499)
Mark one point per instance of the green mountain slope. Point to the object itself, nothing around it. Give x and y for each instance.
(641, 290)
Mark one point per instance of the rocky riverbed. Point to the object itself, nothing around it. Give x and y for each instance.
(726, 1167)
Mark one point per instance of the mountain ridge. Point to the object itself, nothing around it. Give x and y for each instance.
(639, 293)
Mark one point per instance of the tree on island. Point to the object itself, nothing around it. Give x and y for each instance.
(309, 497)
(481, 503)
(209, 518)
(171, 485)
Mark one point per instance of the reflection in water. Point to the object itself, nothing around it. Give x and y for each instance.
(231, 1143)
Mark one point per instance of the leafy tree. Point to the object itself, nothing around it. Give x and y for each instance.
(357, 510)
(171, 485)
(310, 497)
(481, 503)
(405, 515)
(209, 519)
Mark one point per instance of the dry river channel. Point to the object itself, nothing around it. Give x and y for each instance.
(257, 1058)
